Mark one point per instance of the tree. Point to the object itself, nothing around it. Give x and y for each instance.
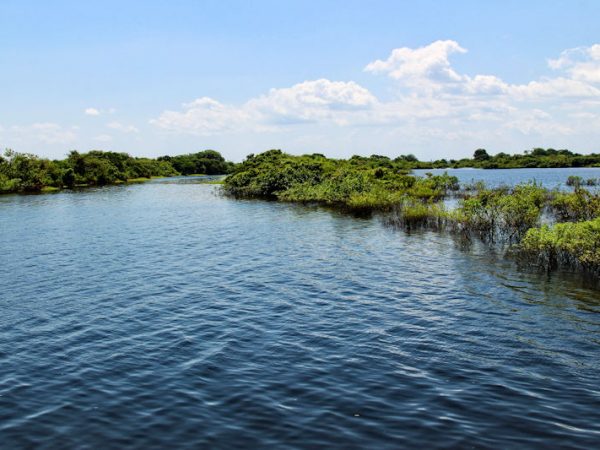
(481, 155)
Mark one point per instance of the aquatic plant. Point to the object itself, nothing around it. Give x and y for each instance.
(499, 215)
(575, 206)
(570, 245)
(574, 180)
(410, 214)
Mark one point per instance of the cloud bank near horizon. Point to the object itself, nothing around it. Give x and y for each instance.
(428, 93)
(428, 103)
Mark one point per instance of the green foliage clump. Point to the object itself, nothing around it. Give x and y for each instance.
(23, 172)
(97, 168)
(411, 213)
(575, 206)
(207, 162)
(359, 183)
(502, 214)
(567, 245)
(535, 158)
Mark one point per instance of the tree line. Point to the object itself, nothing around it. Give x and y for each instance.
(25, 172)
(534, 158)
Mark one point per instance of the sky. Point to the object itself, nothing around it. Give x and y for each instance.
(435, 79)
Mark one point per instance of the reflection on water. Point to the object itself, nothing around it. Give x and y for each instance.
(162, 315)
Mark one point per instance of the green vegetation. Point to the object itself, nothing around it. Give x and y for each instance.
(535, 158)
(571, 245)
(208, 162)
(360, 183)
(499, 215)
(549, 228)
(576, 181)
(577, 206)
(23, 172)
(511, 217)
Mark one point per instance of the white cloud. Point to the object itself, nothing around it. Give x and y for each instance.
(427, 71)
(123, 128)
(430, 98)
(91, 112)
(203, 116)
(424, 68)
(96, 112)
(310, 101)
(581, 63)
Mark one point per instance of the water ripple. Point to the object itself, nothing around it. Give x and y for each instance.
(164, 315)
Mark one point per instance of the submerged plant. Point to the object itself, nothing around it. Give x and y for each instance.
(566, 245)
(411, 214)
(575, 206)
(499, 215)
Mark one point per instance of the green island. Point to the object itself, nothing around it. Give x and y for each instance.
(545, 228)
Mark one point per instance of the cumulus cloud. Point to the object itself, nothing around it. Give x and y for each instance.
(91, 112)
(424, 67)
(427, 71)
(314, 99)
(204, 116)
(96, 112)
(430, 97)
(581, 63)
(310, 101)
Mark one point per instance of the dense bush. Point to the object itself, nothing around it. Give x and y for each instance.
(359, 183)
(568, 245)
(502, 214)
(575, 206)
(207, 162)
(23, 172)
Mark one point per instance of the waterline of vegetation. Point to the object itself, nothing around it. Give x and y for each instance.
(27, 173)
(547, 228)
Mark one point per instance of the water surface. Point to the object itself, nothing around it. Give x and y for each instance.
(162, 315)
(549, 178)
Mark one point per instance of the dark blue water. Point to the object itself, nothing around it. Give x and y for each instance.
(165, 316)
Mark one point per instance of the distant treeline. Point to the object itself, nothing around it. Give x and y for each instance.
(23, 172)
(535, 158)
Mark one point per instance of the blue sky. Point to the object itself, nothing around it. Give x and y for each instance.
(337, 77)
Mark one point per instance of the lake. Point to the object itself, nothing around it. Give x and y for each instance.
(163, 315)
(549, 178)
